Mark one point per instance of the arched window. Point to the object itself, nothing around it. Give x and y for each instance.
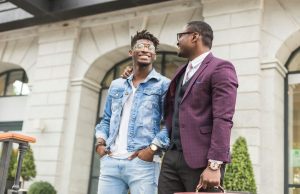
(166, 63)
(13, 83)
(292, 124)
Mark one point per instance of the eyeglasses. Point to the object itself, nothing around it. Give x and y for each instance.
(182, 33)
(141, 47)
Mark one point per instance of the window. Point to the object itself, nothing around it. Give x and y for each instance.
(292, 125)
(166, 63)
(14, 83)
(11, 126)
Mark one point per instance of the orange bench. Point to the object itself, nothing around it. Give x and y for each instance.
(8, 139)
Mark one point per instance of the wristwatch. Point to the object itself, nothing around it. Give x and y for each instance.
(153, 147)
(213, 165)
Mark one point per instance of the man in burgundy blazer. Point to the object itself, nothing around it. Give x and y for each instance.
(199, 107)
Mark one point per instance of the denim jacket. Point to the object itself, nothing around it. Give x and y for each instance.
(146, 112)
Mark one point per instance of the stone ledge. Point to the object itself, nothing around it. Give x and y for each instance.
(274, 64)
(90, 84)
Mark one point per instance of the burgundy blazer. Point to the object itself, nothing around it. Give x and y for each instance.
(205, 112)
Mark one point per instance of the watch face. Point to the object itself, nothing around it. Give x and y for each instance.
(214, 165)
(153, 147)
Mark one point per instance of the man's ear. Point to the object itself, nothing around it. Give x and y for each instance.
(195, 37)
(130, 52)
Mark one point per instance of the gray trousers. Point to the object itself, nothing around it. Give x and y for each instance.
(177, 176)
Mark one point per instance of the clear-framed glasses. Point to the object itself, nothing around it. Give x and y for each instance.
(141, 47)
(182, 33)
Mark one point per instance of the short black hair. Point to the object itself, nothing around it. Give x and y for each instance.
(204, 30)
(144, 34)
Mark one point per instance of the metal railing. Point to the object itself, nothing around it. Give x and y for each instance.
(8, 139)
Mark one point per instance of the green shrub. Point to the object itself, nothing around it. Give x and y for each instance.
(13, 159)
(41, 187)
(239, 174)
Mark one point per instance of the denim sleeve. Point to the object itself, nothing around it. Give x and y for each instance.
(162, 138)
(102, 129)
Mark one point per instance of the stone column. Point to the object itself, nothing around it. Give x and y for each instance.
(272, 127)
(79, 136)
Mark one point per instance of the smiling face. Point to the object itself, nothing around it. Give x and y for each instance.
(143, 52)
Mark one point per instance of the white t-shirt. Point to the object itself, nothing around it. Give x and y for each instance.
(119, 147)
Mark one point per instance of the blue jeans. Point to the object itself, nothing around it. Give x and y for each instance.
(119, 175)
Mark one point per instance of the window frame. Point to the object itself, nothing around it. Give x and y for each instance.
(6, 126)
(8, 74)
(287, 185)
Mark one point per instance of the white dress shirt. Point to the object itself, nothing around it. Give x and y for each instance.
(196, 63)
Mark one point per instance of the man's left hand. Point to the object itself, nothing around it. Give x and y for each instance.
(145, 154)
(209, 178)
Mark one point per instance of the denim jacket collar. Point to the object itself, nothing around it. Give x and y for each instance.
(152, 75)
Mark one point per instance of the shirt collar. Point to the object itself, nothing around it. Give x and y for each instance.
(152, 75)
(198, 60)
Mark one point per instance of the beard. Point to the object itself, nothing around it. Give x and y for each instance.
(181, 51)
(181, 54)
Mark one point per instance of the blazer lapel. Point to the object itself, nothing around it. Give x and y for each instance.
(197, 74)
(173, 84)
(179, 71)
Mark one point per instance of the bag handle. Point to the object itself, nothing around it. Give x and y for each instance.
(218, 187)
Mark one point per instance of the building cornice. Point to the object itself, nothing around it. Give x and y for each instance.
(87, 83)
(274, 64)
(19, 34)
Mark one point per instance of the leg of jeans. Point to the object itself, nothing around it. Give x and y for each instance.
(169, 180)
(110, 181)
(141, 176)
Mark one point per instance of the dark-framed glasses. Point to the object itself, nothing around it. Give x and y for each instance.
(142, 47)
(179, 35)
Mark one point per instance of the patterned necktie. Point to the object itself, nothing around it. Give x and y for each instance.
(188, 72)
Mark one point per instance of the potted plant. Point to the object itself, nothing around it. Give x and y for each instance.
(239, 174)
(41, 187)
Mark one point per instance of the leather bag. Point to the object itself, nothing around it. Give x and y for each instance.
(219, 187)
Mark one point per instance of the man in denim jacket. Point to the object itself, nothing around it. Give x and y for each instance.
(129, 134)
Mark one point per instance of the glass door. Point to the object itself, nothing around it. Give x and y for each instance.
(293, 142)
